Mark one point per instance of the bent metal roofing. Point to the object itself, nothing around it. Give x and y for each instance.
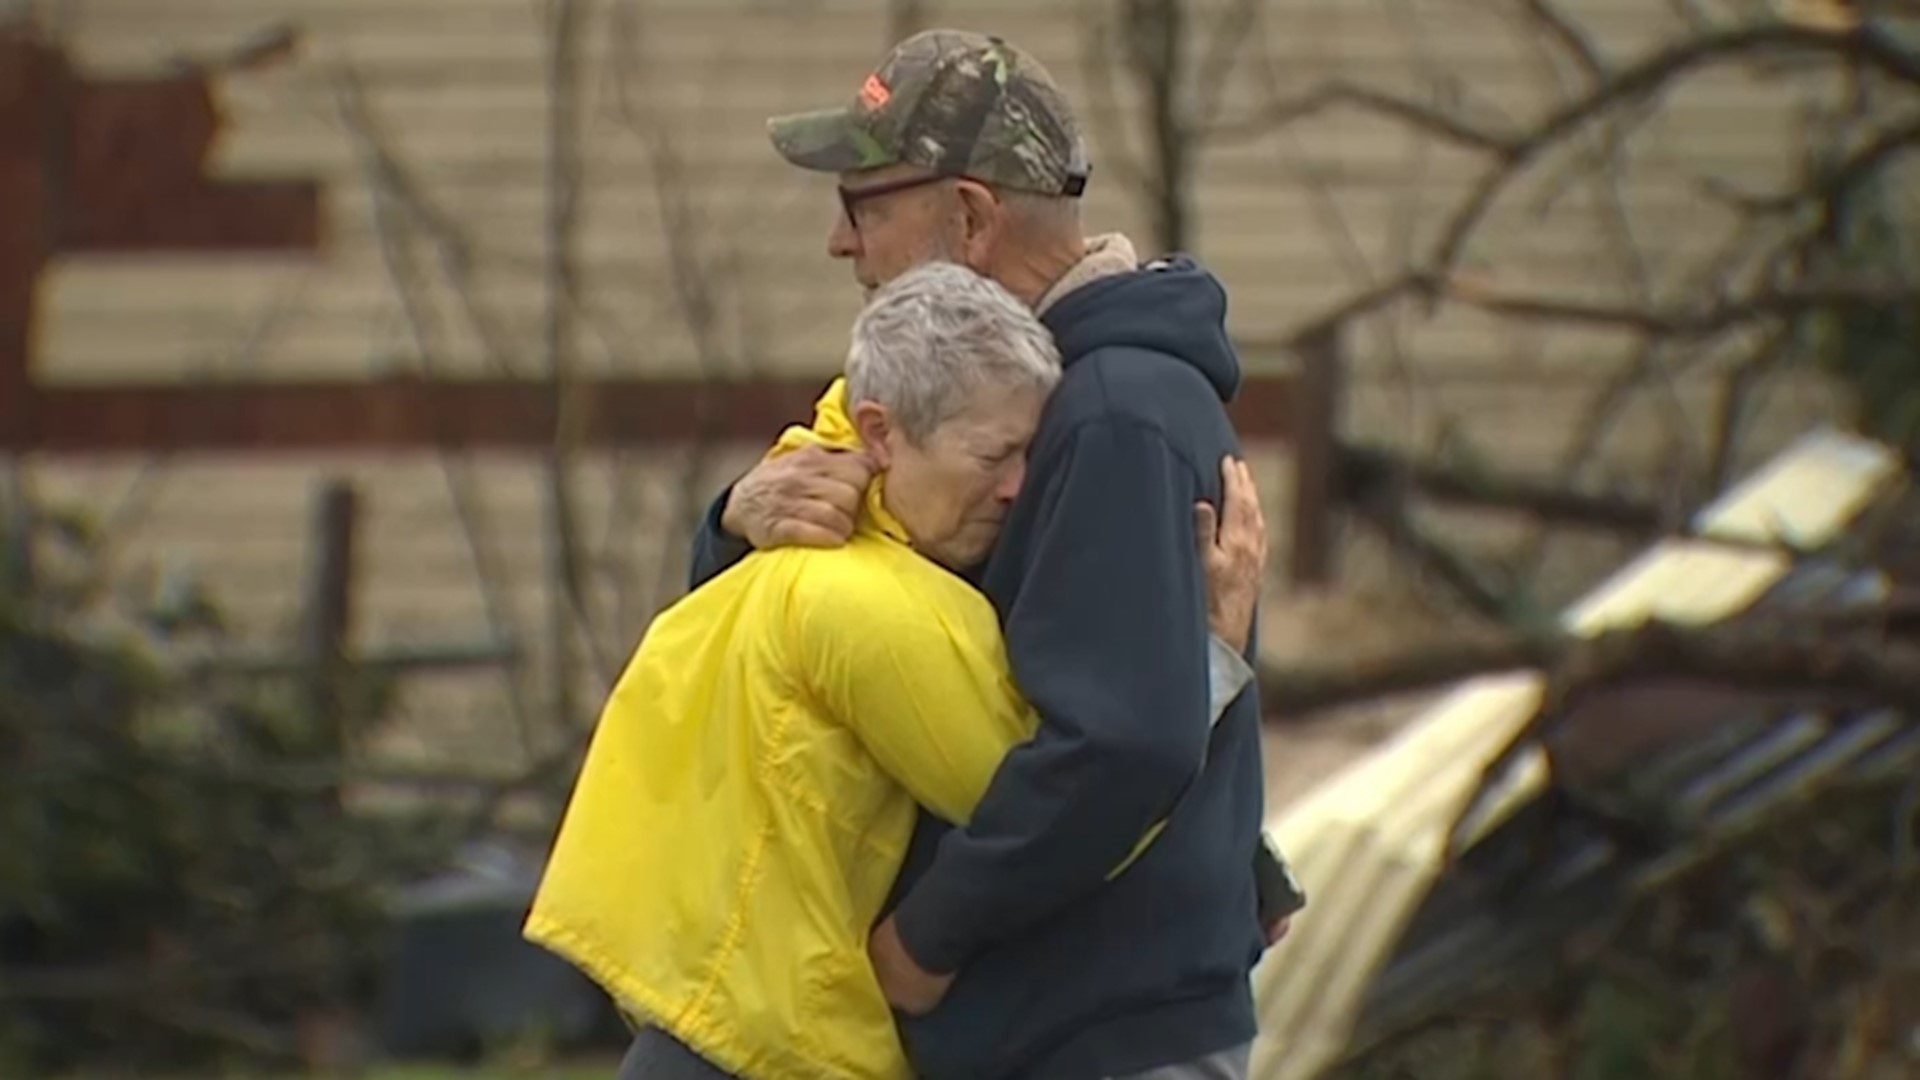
(1385, 935)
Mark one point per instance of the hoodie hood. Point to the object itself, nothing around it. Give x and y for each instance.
(1172, 306)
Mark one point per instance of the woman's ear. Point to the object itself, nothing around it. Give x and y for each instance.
(870, 419)
(982, 218)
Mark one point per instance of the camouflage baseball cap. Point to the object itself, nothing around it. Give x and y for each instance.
(956, 102)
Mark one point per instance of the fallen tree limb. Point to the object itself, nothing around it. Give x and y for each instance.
(1296, 694)
(1365, 470)
(1806, 654)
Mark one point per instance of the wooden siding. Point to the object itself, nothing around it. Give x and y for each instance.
(679, 186)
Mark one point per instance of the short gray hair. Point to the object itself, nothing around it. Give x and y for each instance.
(1048, 213)
(939, 334)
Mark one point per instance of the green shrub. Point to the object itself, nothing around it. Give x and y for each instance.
(179, 881)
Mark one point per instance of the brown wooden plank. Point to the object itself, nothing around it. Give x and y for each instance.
(132, 176)
(113, 166)
(259, 216)
(25, 70)
(415, 414)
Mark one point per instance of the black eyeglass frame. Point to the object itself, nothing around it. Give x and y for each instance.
(853, 197)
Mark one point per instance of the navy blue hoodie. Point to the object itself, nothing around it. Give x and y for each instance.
(1064, 974)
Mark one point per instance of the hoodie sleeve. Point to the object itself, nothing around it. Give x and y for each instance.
(714, 548)
(1108, 640)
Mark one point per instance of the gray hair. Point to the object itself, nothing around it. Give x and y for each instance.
(1045, 213)
(936, 336)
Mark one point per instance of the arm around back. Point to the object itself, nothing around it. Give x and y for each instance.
(714, 548)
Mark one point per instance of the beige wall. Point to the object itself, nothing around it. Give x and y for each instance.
(674, 94)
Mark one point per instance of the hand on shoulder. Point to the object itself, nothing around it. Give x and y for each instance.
(808, 498)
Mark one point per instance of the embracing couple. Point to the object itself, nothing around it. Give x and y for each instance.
(949, 764)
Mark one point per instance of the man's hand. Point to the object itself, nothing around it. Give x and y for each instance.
(1233, 549)
(808, 498)
(909, 987)
(1277, 931)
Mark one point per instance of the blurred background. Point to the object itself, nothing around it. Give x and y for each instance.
(365, 366)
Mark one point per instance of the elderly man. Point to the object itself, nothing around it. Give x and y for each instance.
(1041, 960)
(751, 789)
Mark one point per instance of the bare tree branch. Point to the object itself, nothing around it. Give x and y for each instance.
(1724, 315)
(1763, 306)
(1694, 14)
(1876, 154)
(1365, 472)
(1654, 359)
(1341, 92)
(1864, 48)
(566, 583)
(1736, 393)
(1567, 34)
(1217, 64)
(705, 276)
(1103, 108)
(1760, 658)
(1393, 519)
(1153, 37)
(1295, 694)
(397, 202)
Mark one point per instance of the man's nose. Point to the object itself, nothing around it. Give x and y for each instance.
(844, 241)
(1010, 483)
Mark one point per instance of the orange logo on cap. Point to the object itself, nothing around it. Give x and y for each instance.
(874, 93)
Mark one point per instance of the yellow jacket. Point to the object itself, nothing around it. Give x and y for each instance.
(749, 793)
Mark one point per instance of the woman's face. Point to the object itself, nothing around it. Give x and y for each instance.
(952, 489)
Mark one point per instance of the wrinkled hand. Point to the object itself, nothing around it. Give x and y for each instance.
(809, 498)
(1233, 549)
(909, 987)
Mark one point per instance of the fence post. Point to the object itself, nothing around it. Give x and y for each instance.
(329, 610)
(1318, 404)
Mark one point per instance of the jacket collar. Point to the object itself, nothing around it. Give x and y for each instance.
(1107, 256)
(833, 428)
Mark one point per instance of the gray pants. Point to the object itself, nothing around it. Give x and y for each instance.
(656, 1055)
(1225, 1065)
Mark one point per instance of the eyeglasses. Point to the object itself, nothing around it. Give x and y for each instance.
(853, 197)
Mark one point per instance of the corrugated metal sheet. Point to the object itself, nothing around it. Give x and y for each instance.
(1368, 844)
(1499, 916)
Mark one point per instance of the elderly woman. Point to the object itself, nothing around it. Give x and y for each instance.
(749, 794)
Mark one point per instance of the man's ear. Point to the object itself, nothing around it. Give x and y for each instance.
(870, 419)
(982, 218)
